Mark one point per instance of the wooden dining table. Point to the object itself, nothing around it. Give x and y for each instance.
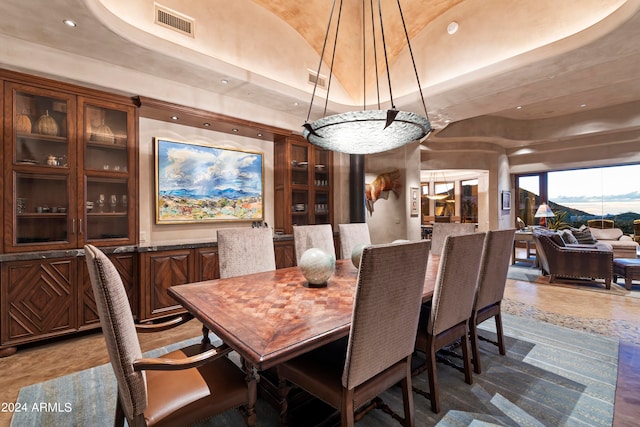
(271, 317)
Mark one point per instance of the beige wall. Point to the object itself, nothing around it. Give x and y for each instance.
(153, 234)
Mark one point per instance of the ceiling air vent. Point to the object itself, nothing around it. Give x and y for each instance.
(174, 20)
(322, 80)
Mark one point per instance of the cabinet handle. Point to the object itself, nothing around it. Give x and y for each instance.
(80, 227)
(73, 226)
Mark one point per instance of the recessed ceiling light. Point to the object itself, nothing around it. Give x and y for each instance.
(69, 23)
(259, 133)
(174, 117)
(234, 130)
(206, 124)
(452, 28)
(583, 105)
(295, 104)
(224, 81)
(519, 107)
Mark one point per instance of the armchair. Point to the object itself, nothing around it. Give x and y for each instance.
(182, 387)
(573, 261)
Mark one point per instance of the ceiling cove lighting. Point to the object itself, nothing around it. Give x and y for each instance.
(366, 131)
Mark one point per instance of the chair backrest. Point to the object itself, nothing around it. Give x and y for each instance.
(386, 310)
(245, 251)
(352, 235)
(494, 266)
(456, 282)
(313, 236)
(442, 230)
(119, 330)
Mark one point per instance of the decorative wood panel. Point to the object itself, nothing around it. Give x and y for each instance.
(161, 271)
(126, 266)
(285, 253)
(207, 264)
(38, 299)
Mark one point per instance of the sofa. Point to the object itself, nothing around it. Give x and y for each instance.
(623, 246)
(558, 259)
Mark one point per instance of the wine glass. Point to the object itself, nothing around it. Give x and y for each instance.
(101, 202)
(114, 202)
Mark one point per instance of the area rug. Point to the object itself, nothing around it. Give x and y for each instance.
(550, 376)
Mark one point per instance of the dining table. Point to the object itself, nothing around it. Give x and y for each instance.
(274, 316)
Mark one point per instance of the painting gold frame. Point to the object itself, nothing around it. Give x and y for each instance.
(197, 182)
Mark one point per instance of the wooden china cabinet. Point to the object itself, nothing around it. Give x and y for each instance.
(303, 184)
(70, 178)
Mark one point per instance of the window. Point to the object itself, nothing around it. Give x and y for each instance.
(447, 205)
(582, 194)
(469, 207)
(424, 200)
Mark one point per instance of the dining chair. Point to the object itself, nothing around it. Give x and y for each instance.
(376, 355)
(442, 230)
(245, 251)
(494, 266)
(179, 388)
(313, 236)
(446, 319)
(352, 235)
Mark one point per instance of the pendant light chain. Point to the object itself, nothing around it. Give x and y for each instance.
(413, 61)
(375, 51)
(333, 57)
(324, 45)
(386, 60)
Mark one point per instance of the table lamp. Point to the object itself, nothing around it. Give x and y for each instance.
(543, 212)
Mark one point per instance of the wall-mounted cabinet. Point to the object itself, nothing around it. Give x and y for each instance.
(69, 169)
(69, 178)
(303, 184)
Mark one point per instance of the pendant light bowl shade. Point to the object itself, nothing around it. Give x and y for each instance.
(366, 131)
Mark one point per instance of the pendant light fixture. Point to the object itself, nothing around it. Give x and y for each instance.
(439, 196)
(366, 131)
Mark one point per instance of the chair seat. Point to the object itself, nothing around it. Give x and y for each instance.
(321, 371)
(186, 396)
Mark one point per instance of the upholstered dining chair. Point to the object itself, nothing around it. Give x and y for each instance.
(446, 319)
(245, 251)
(442, 230)
(180, 388)
(494, 266)
(352, 235)
(313, 236)
(377, 353)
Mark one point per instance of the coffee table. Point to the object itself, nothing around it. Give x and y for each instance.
(629, 268)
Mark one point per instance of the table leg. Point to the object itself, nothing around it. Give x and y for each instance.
(627, 283)
(252, 378)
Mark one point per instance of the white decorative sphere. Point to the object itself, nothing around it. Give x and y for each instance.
(317, 266)
(356, 253)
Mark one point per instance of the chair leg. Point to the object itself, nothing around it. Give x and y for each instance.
(432, 375)
(119, 414)
(466, 356)
(477, 367)
(407, 397)
(347, 416)
(500, 334)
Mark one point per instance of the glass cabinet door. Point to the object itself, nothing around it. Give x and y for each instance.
(321, 177)
(40, 153)
(106, 160)
(299, 184)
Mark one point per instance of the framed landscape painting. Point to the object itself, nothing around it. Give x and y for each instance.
(199, 183)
